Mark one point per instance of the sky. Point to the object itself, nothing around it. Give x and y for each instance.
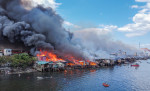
(126, 20)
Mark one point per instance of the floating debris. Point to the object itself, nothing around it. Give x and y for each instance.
(40, 78)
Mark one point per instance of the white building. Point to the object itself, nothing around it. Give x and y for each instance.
(1, 53)
(7, 52)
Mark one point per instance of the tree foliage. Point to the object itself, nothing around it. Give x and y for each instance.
(18, 60)
(5, 59)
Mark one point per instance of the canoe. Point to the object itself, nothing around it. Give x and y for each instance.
(105, 85)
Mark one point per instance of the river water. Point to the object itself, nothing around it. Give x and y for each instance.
(120, 78)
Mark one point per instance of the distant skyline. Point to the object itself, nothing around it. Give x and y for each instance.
(125, 20)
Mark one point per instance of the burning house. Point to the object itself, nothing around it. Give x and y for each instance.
(27, 24)
(28, 30)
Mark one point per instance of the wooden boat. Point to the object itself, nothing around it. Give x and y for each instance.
(105, 85)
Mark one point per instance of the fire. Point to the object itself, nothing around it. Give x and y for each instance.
(82, 63)
(70, 64)
(50, 56)
(93, 64)
(73, 59)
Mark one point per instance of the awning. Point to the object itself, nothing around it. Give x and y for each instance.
(41, 62)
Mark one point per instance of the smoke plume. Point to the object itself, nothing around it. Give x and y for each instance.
(38, 26)
(98, 43)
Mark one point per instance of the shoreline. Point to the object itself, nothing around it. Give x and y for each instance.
(11, 71)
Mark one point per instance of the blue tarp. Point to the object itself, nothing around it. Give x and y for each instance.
(41, 62)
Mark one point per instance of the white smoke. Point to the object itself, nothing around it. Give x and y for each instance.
(98, 42)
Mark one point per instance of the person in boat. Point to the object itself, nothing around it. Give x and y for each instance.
(105, 84)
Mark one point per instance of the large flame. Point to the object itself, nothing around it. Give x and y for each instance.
(50, 56)
(92, 64)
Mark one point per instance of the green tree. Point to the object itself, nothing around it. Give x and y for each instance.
(5, 59)
(22, 60)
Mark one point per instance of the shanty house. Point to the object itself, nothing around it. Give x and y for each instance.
(60, 65)
(41, 66)
(56, 65)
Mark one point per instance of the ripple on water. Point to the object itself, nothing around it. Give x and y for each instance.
(120, 78)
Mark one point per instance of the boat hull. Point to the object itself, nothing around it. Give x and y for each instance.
(135, 65)
(105, 85)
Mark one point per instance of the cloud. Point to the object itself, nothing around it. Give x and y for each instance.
(142, 0)
(44, 3)
(47, 3)
(69, 24)
(141, 21)
(134, 6)
(134, 34)
(108, 27)
(101, 29)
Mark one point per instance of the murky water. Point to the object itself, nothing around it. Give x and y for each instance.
(120, 78)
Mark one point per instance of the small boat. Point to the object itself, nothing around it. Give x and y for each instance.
(136, 65)
(105, 85)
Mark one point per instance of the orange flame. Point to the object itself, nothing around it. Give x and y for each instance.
(70, 64)
(50, 56)
(93, 64)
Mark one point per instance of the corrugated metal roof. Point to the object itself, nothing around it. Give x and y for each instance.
(41, 62)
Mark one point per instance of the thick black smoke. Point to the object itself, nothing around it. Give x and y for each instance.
(39, 27)
(36, 27)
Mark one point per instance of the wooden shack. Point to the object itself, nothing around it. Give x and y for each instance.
(41, 66)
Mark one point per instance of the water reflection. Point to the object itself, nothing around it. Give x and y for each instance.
(93, 70)
(120, 78)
